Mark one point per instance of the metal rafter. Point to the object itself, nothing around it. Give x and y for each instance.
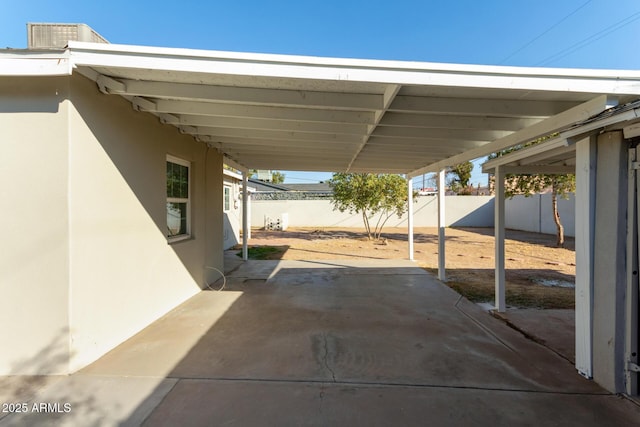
(389, 94)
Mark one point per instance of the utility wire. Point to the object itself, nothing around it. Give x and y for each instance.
(591, 39)
(526, 45)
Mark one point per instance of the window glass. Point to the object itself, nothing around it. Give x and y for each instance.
(227, 198)
(176, 218)
(177, 198)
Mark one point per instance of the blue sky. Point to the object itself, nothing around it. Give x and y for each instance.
(566, 34)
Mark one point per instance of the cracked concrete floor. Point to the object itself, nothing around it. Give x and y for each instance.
(333, 343)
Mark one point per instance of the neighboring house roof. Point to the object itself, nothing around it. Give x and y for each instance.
(266, 186)
(321, 187)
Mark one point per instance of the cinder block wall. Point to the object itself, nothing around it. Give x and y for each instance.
(535, 213)
(462, 211)
(522, 213)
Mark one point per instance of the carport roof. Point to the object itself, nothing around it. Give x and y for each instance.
(557, 155)
(327, 114)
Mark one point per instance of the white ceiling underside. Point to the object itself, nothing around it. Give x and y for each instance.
(300, 113)
(557, 155)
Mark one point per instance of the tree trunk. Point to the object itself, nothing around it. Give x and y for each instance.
(366, 224)
(556, 219)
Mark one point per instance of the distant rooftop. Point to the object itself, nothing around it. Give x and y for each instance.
(322, 187)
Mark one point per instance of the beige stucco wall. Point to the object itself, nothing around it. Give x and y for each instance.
(85, 262)
(34, 261)
(233, 217)
(124, 274)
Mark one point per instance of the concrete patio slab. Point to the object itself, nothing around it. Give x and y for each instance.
(333, 343)
(238, 403)
(86, 400)
(553, 328)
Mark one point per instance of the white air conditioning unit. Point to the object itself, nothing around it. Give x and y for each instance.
(57, 36)
(280, 223)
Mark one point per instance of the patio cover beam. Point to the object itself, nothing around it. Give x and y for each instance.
(259, 111)
(545, 127)
(479, 107)
(264, 124)
(389, 95)
(244, 95)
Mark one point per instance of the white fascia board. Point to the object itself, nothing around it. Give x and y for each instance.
(35, 64)
(350, 62)
(231, 174)
(387, 72)
(230, 162)
(631, 131)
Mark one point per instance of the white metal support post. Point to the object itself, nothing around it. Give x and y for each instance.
(584, 243)
(410, 216)
(499, 229)
(248, 215)
(442, 274)
(245, 215)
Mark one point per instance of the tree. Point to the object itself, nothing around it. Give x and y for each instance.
(527, 185)
(459, 182)
(370, 195)
(277, 177)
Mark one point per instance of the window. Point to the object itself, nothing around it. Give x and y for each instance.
(227, 198)
(178, 205)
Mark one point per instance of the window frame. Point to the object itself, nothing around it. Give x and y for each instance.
(187, 164)
(226, 201)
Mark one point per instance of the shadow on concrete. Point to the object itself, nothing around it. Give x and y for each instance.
(45, 399)
(346, 343)
(356, 256)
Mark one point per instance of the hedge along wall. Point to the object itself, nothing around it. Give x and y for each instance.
(522, 213)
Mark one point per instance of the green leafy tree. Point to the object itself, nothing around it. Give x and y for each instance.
(459, 177)
(277, 177)
(370, 195)
(561, 185)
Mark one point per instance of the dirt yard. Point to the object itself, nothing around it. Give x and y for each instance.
(538, 273)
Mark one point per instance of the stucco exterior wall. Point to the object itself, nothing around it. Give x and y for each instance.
(124, 273)
(85, 262)
(34, 259)
(233, 216)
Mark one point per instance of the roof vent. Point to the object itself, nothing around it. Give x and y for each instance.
(57, 36)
